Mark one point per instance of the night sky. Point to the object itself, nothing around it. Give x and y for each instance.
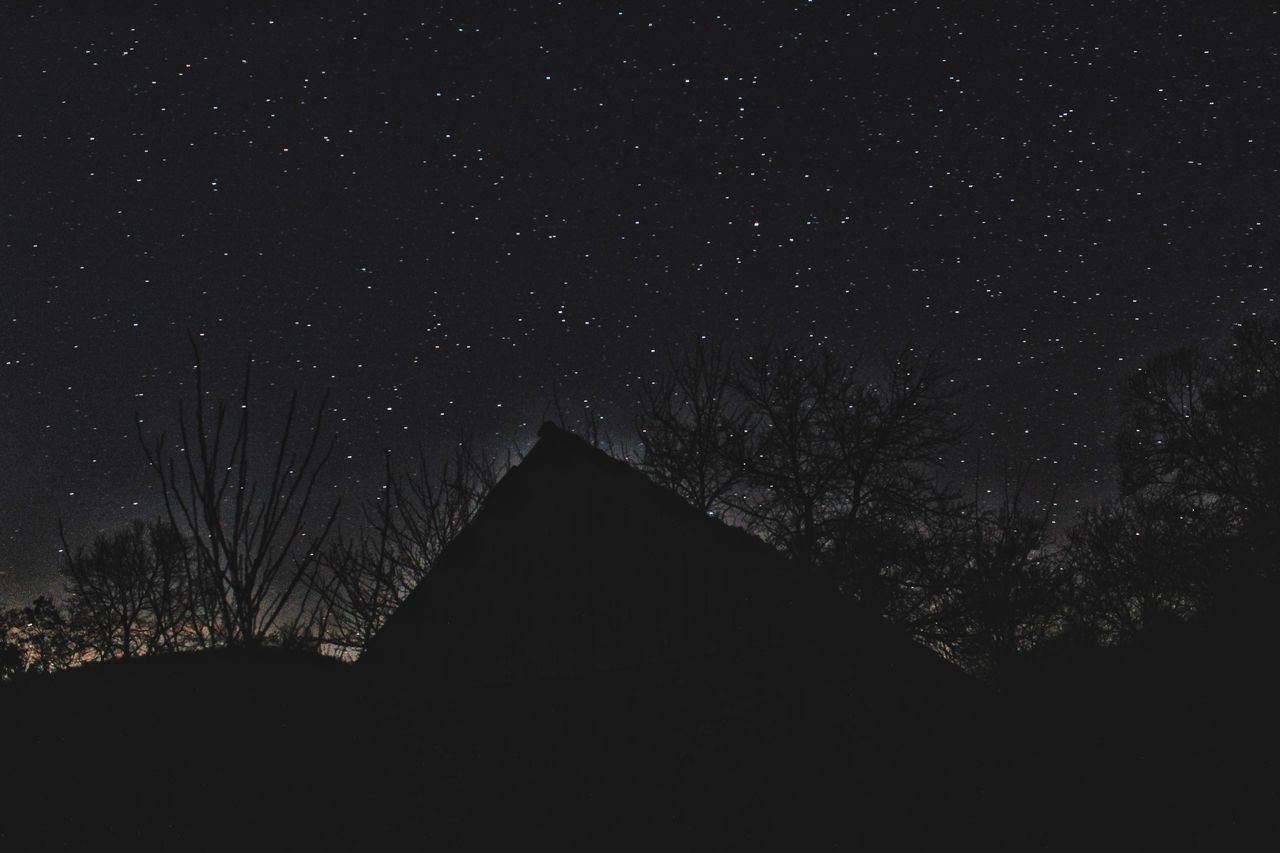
(438, 214)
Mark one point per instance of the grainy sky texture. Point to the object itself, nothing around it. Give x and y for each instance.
(437, 212)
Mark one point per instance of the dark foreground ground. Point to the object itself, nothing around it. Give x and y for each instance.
(1172, 742)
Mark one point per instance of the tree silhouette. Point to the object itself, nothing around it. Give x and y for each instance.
(844, 469)
(837, 469)
(364, 577)
(1132, 563)
(693, 427)
(1005, 598)
(253, 539)
(1199, 431)
(128, 591)
(36, 638)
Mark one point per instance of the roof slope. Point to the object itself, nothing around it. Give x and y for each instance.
(579, 564)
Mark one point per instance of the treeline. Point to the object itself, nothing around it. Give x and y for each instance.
(246, 552)
(845, 470)
(842, 467)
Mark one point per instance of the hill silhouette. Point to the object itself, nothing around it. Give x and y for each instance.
(214, 750)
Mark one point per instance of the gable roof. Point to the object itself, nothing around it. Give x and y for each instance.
(579, 564)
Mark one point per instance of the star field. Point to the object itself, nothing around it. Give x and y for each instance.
(439, 214)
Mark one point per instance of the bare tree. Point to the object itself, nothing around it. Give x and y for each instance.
(838, 469)
(127, 590)
(1005, 599)
(1133, 563)
(798, 475)
(37, 638)
(431, 506)
(842, 465)
(252, 540)
(693, 427)
(1199, 431)
(367, 575)
(1168, 441)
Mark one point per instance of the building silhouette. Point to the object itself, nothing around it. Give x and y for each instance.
(614, 667)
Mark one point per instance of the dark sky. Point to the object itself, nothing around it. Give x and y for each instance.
(437, 214)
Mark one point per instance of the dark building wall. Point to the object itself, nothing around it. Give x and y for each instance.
(578, 564)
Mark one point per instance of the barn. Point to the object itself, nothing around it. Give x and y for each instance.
(608, 666)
